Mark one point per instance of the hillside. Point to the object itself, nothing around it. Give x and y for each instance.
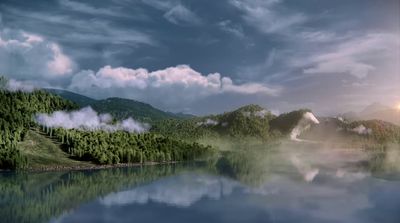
(17, 117)
(79, 99)
(247, 121)
(121, 108)
(25, 144)
(124, 108)
(337, 130)
(375, 111)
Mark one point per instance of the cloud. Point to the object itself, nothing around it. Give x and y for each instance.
(319, 36)
(227, 26)
(172, 86)
(160, 4)
(180, 15)
(262, 69)
(175, 12)
(355, 56)
(88, 119)
(28, 56)
(86, 8)
(362, 130)
(182, 191)
(14, 85)
(60, 63)
(263, 15)
(84, 32)
(208, 122)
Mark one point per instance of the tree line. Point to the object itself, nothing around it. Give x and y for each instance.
(17, 113)
(104, 147)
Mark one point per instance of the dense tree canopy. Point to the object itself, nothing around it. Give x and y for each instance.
(17, 113)
(247, 121)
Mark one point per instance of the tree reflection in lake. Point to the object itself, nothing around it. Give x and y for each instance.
(260, 186)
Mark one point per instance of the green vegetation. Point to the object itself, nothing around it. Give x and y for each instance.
(23, 145)
(381, 131)
(18, 149)
(38, 197)
(121, 108)
(125, 108)
(80, 100)
(365, 134)
(248, 121)
(285, 122)
(43, 152)
(16, 117)
(122, 147)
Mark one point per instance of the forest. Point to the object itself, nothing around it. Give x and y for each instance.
(17, 117)
(169, 139)
(104, 147)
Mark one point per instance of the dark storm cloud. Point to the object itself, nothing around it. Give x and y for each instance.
(327, 55)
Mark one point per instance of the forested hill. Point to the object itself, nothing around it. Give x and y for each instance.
(17, 117)
(251, 121)
(247, 121)
(121, 108)
(79, 99)
(17, 121)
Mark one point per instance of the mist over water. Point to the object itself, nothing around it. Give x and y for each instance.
(292, 182)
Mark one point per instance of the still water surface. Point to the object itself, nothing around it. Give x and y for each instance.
(324, 187)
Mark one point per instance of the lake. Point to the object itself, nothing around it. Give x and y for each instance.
(302, 185)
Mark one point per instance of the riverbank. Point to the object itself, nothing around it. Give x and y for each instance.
(51, 168)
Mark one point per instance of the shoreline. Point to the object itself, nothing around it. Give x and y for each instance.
(93, 167)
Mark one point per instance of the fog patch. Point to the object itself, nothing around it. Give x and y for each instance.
(15, 86)
(304, 124)
(362, 130)
(260, 114)
(88, 119)
(304, 169)
(208, 122)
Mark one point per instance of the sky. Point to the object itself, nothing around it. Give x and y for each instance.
(208, 56)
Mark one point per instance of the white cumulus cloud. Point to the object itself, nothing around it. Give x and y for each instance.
(173, 86)
(30, 57)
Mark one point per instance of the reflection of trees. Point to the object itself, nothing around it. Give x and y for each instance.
(37, 197)
(384, 160)
(252, 167)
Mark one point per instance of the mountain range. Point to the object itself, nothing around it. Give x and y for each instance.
(375, 111)
(120, 108)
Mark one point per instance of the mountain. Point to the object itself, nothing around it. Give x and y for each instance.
(375, 111)
(373, 108)
(337, 130)
(121, 108)
(248, 121)
(30, 141)
(79, 99)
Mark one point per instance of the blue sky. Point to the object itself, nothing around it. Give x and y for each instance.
(209, 56)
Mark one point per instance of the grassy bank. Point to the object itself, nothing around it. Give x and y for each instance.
(45, 153)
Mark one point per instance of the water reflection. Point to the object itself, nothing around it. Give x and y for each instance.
(299, 185)
(181, 191)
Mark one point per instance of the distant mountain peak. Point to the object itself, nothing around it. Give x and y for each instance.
(121, 108)
(374, 107)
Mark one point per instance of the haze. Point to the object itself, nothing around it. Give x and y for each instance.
(205, 57)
